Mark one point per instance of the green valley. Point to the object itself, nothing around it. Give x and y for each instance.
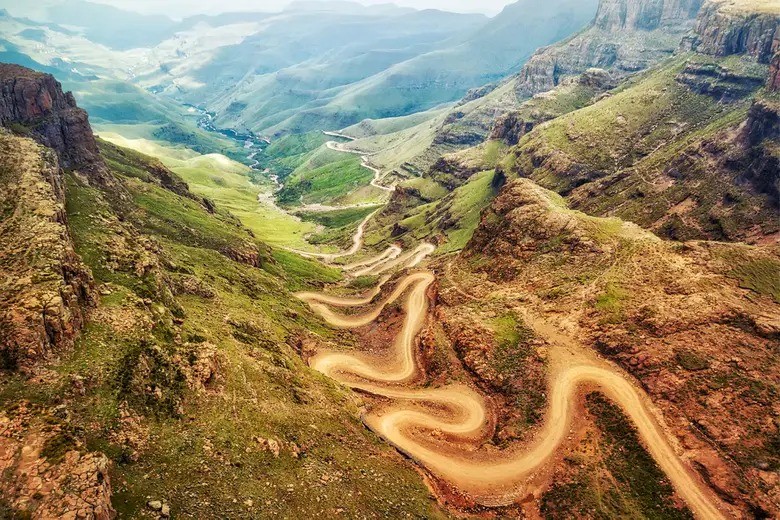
(349, 259)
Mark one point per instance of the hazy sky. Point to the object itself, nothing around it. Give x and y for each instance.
(181, 8)
(209, 6)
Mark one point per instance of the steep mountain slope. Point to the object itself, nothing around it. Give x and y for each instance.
(688, 149)
(445, 201)
(298, 56)
(112, 103)
(694, 323)
(184, 385)
(624, 37)
(443, 75)
(160, 359)
(302, 59)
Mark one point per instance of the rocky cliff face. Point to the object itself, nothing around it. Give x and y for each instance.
(727, 28)
(46, 289)
(626, 36)
(760, 159)
(773, 81)
(718, 82)
(620, 15)
(511, 127)
(33, 103)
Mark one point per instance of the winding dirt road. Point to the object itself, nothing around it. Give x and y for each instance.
(431, 425)
(357, 243)
(364, 161)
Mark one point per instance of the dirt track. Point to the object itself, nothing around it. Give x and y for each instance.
(364, 162)
(357, 243)
(490, 477)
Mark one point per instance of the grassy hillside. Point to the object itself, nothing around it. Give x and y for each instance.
(389, 125)
(415, 149)
(287, 153)
(228, 184)
(442, 197)
(450, 219)
(188, 377)
(325, 183)
(664, 151)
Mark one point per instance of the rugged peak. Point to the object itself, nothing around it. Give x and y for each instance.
(597, 78)
(34, 103)
(750, 27)
(619, 15)
(626, 36)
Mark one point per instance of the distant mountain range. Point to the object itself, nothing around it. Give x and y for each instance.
(315, 65)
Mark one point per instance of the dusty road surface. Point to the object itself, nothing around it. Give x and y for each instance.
(364, 159)
(430, 425)
(357, 243)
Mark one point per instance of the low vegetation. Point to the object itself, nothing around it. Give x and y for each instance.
(621, 481)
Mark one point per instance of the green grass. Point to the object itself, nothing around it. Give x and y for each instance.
(304, 271)
(428, 188)
(326, 183)
(610, 302)
(455, 216)
(86, 209)
(289, 152)
(761, 276)
(622, 481)
(631, 465)
(467, 206)
(167, 215)
(492, 152)
(513, 360)
(691, 361)
(656, 143)
(562, 100)
(202, 455)
(228, 184)
(363, 282)
(632, 123)
(338, 218)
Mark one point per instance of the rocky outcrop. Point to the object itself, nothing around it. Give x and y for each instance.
(45, 473)
(46, 289)
(521, 222)
(452, 172)
(727, 28)
(760, 165)
(477, 93)
(773, 81)
(718, 82)
(619, 15)
(762, 123)
(34, 104)
(626, 36)
(596, 78)
(511, 127)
